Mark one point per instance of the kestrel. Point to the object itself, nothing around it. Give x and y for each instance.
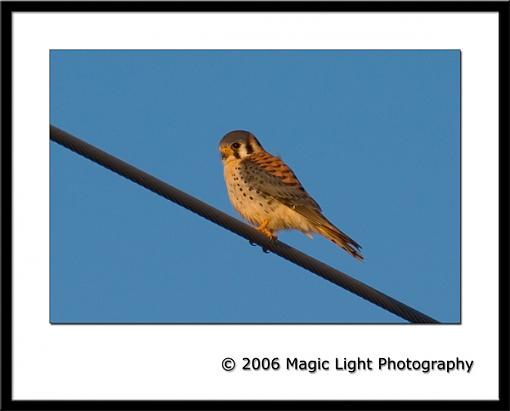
(267, 193)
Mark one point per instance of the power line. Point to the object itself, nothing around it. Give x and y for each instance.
(238, 227)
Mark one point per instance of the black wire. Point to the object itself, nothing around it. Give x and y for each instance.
(236, 226)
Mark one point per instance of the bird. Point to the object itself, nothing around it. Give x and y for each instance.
(267, 193)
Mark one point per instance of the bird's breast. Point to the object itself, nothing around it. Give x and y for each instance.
(246, 196)
(256, 206)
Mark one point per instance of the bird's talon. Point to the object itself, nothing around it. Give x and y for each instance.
(252, 243)
(267, 232)
(265, 250)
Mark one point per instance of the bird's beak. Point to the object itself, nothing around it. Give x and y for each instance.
(225, 152)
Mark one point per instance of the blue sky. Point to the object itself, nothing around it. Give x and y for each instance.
(373, 136)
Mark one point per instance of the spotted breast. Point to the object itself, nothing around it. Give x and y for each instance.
(263, 190)
(245, 194)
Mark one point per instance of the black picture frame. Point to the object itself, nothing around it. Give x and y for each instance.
(7, 10)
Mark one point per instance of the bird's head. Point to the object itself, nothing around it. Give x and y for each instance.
(238, 144)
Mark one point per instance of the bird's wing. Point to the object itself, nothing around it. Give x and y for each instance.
(271, 176)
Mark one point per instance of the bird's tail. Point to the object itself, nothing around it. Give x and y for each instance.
(340, 239)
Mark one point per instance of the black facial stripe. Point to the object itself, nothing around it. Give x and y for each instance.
(249, 148)
(236, 154)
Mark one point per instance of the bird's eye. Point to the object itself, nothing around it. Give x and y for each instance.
(236, 145)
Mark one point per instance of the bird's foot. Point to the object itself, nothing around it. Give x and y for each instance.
(266, 231)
